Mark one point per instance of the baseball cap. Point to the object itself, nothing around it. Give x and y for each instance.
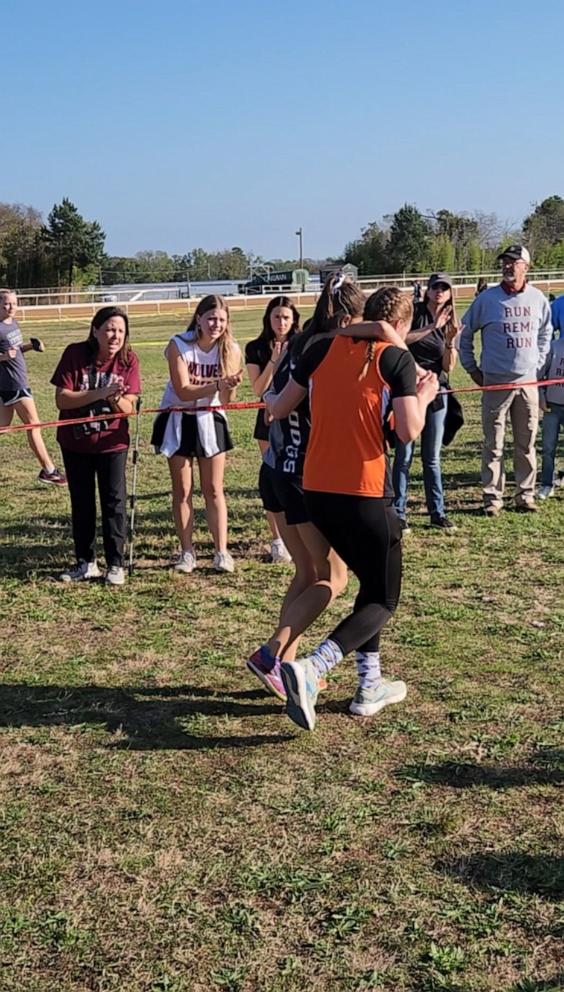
(518, 252)
(439, 277)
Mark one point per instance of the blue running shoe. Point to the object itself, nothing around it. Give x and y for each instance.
(302, 687)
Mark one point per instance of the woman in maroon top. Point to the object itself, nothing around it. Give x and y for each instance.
(97, 376)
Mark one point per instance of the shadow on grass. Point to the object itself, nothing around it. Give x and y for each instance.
(148, 718)
(21, 558)
(545, 771)
(514, 871)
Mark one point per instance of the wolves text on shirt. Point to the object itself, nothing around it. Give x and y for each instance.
(199, 371)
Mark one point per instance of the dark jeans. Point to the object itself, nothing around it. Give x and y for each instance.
(82, 470)
(365, 532)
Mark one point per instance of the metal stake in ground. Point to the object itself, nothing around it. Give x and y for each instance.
(133, 493)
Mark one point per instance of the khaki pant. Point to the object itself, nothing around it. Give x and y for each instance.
(522, 405)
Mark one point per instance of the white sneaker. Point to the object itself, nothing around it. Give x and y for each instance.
(115, 576)
(223, 562)
(367, 702)
(545, 491)
(84, 571)
(558, 479)
(185, 562)
(279, 552)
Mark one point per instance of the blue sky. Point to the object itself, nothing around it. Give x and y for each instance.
(182, 124)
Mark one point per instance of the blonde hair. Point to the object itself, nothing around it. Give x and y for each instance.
(388, 303)
(229, 355)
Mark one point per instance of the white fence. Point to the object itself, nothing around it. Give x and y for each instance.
(167, 298)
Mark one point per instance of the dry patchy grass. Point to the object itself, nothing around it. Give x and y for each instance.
(164, 828)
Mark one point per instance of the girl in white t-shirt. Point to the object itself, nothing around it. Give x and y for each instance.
(205, 367)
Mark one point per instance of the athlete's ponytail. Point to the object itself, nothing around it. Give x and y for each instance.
(340, 297)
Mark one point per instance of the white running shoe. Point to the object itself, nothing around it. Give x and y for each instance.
(83, 572)
(223, 562)
(367, 702)
(115, 576)
(545, 491)
(279, 552)
(185, 562)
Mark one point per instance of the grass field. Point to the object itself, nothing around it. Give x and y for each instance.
(164, 828)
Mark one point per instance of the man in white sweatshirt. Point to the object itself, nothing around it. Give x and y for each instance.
(516, 331)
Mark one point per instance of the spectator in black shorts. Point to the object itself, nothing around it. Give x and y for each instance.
(15, 394)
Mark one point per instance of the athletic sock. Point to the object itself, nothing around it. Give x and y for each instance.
(368, 668)
(50, 470)
(325, 657)
(278, 542)
(268, 659)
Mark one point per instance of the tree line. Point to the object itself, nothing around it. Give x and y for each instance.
(67, 250)
(410, 241)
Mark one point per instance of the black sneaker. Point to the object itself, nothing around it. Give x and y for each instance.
(54, 478)
(442, 522)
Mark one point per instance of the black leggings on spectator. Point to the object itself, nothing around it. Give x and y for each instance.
(82, 471)
(365, 532)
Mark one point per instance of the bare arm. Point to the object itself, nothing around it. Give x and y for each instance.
(34, 344)
(373, 330)
(183, 387)
(410, 411)
(71, 399)
(280, 406)
(450, 353)
(228, 388)
(260, 381)
(124, 404)
(421, 332)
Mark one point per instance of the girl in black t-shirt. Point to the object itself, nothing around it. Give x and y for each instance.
(281, 322)
(431, 341)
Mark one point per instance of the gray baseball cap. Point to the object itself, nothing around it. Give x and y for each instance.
(439, 277)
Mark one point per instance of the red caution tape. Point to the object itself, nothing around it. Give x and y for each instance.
(120, 416)
(245, 406)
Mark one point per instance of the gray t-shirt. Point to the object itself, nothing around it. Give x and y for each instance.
(516, 333)
(13, 371)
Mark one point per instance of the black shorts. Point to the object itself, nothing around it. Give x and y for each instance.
(282, 494)
(9, 397)
(190, 444)
(261, 430)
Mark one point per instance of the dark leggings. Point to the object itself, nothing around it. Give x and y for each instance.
(82, 471)
(365, 532)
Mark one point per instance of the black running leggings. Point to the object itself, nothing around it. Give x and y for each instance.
(365, 532)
